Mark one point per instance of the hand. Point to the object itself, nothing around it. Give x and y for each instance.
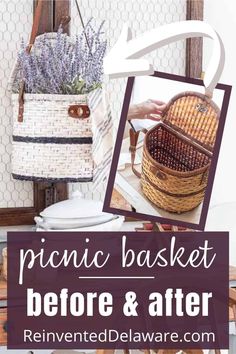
(145, 110)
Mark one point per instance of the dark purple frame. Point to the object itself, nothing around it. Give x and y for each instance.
(120, 134)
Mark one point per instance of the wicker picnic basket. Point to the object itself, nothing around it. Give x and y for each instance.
(177, 152)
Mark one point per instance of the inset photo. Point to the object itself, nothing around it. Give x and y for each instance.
(167, 149)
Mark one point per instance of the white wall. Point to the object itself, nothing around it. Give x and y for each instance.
(222, 16)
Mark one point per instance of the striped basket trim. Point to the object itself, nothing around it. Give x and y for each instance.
(52, 179)
(52, 140)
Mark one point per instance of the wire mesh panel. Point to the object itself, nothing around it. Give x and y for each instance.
(15, 24)
(141, 15)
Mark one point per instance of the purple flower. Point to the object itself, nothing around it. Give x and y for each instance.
(63, 67)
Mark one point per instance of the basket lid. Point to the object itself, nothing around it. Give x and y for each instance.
(194, 115)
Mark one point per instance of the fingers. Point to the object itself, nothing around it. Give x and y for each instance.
(161, 108)
(154, 118)
(151, 109)
(159, 105)
(158, 102)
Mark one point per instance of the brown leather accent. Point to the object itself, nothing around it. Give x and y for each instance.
(21, 102)
(159, 174)
(65, 20)
(133, 135)
(171, 194)
(35, 26)
(79, 111)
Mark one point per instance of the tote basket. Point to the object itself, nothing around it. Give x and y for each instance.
(177, 152)
(52, 133)
(50, 144)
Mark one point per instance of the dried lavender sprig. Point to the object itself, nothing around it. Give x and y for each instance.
(62, 67)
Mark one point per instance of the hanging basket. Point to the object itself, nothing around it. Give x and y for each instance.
(177, 153)
(56, 137)
(53, 140)
(50, 144)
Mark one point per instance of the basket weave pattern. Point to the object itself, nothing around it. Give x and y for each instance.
(170, 203)
(174, 169)
(195, 116)
(52, 161)
(49, 143)
(47, 116)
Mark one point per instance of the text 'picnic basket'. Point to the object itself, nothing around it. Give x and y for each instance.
(177, 151)
(53, 134)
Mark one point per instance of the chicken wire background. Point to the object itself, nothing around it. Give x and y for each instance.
(142, 15)
(15, 23)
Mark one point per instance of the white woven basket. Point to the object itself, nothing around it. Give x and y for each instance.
(49, 145)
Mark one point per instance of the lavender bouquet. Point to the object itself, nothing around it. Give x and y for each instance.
(63, 67)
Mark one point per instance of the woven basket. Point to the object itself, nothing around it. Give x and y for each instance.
(49, 143)
(177, 153)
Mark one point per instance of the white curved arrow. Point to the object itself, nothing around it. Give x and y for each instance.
(124, 58)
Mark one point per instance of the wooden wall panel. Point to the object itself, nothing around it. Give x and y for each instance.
(46, 20)
(194, 45)
(61, 9)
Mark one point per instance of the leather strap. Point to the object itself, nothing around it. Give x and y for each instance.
(35, 27)
(33, 35)
(79, 111)
(133, 135)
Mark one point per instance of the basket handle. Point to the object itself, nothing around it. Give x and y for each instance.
(34, 31)
(133, 135)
